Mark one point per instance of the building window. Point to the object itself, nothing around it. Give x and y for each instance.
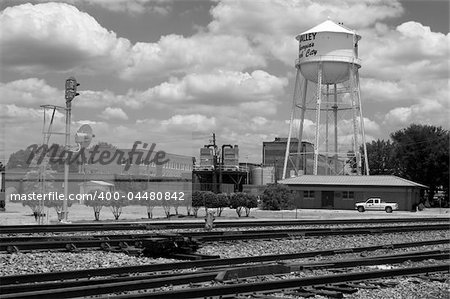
(308, 194)
(348, 195)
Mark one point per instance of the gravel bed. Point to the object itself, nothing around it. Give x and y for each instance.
(42, 262)
(242, 248)
(401, 287)
(220, 229)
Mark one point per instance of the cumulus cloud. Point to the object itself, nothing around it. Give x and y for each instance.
(161, 7)
(272, 25)
(410, 52)
(113, 114)
(57, 37)
(31, 91)
(175, 54)
(190, 123)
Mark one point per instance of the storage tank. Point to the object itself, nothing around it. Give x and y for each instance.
(206, 157)
(257, 176)
(331, 44)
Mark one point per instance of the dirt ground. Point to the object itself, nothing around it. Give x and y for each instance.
(16, 214)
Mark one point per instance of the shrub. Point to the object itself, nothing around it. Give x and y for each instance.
(222, 201)
(209, 200)
(117, 205)
(250, 203)
(96, 203)
(238, 201)
(197, 202)
(277, 197)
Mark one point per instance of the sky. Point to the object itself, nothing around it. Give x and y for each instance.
(172, 72)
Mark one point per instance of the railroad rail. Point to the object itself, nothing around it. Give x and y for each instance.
(126, 270)
(68, 289)
(74, 243)
(188, 224)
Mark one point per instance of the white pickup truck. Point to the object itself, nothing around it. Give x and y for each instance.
(376, 204)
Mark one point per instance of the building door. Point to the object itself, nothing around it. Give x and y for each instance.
(327, 199)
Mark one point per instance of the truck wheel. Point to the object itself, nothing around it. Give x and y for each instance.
(388, 210)
(361, 209)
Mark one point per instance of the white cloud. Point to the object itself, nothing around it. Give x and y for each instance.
(175, 54)
(272, 25)
(410, 52)
(428, 111)
(31, 91)
(161, 7)
(57, 37)
(190, 123)
(113, 114)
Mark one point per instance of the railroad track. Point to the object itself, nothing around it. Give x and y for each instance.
(180, 224)
(80, 283)
(74, 243)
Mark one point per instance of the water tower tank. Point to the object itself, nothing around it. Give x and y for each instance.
(332, 45)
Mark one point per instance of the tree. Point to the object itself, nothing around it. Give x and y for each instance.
(277, 197)
(56, 153)
(117, 205)
(380, 154)
(250, 203)
(197, 202)
(95, 202)
(422, 152)
(209, 200)
(222, 201)
(237, 201)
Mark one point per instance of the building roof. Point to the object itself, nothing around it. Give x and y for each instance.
(355, 180)
(329, 26)
(101, 183)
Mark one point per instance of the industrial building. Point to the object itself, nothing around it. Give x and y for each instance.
(219, 169)
(342, 192)
(273, 154)
(177, 166)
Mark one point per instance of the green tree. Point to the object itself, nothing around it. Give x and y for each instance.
(222, 201)
(238, 201)
(380, 154)
(251, 202)
(95, 202)
(277, 197)
(197, 202)
(117, 205)
(422, 152)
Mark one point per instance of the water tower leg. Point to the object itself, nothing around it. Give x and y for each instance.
(353, 93)
(335, 112)
(302, 121)
(366, 159)
(327, 164)
(291, 123)
(318, 103)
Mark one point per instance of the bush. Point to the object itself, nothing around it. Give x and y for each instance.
(209, 200)
(117, 205)
(96, 203)
(251, 202)
(222, 201)
(243, 201)
(197, 202)
(277, 197)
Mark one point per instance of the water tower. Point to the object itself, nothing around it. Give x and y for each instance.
(326, 109)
